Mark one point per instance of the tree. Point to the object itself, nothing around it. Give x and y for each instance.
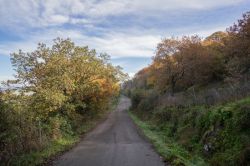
(238, 47)
(66, 73)
(167, 69)
(59, 88)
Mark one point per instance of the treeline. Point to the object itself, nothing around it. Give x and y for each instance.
(189, 62)
(187, 78)
(59, 89)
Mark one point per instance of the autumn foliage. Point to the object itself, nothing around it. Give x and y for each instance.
(56, 90)
(196, 93)
(181, 63)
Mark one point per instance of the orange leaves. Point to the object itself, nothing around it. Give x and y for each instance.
(182, 63)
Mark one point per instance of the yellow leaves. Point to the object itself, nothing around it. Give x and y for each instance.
(116, 87)
(216, 39)
(151, 80)
(106, 87)
(48, 100)
(66, 73)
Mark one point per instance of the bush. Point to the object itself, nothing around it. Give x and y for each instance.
(218, 133)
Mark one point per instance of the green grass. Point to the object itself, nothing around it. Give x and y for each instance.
(167, 147)
(180, 134)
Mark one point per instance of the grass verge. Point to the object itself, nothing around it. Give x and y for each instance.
(57, 147)
(52, 149)
(167, 147)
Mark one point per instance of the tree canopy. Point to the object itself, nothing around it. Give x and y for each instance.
(60, 87)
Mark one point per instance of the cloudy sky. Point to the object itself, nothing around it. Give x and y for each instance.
(128, 30)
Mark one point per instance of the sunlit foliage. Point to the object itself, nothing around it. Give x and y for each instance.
(60, 87)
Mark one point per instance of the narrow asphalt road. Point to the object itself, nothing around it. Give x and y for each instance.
(115, 142)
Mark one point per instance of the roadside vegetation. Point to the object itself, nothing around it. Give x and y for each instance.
(58, 93)
(193, 100)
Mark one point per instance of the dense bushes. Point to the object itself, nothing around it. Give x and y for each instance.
(60, 90)
(219, 133)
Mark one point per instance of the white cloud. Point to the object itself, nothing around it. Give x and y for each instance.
(115, 44)
(37, 13)
(124, 45)
(79, 21)
(58, 19)
(109, 7)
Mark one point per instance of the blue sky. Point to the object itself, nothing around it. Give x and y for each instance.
(127, 30)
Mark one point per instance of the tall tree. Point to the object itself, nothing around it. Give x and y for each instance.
(238, 47)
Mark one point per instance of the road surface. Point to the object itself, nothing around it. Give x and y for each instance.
(115, 142)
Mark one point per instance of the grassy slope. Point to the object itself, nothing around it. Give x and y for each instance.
(165, 146)
(224, 127)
